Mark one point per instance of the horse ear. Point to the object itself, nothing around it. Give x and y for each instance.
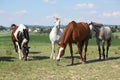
(91, 22)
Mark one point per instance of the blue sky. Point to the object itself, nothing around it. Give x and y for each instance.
(41, 12)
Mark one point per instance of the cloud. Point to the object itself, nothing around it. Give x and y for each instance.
(53, 15)
(21, 12)
(106, 14)
(93, 12)
(84, 5)
(50, 1)
(112, 14)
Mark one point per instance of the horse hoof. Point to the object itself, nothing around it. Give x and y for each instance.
(106, 58)
(50, 57)
(99, 58)
(25, 59)
(54, 58)
(20, 58)
(83, 62)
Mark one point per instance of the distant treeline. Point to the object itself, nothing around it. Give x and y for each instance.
(114, 28)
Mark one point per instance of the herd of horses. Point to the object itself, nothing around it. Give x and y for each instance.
(78, 33)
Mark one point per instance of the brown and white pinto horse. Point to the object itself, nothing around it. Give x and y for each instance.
(78, 33)
(20, 39)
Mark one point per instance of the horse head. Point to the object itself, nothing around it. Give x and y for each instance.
(61, 51)
(57, 22)
(25, 50)
(14, 27)
(95, 26)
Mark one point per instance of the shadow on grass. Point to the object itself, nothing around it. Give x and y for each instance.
(69, 57)
(74, 64)
(39, 58)
(34, 52)
(91, 61)
(97, 60)
(7, 58)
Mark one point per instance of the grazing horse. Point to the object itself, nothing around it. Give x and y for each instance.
(78, 33)
(103, 33)
(55, 36)
(20, 39)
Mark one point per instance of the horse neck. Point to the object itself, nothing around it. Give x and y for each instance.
(14, 29)
(66, 35)
(56, 29)
(96, 30)
(63, 45)
(25, 32)
(100, 33)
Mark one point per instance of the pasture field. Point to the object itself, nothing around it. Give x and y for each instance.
(40, 67)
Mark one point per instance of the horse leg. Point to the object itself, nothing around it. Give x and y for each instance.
(82, 47)
(19, 50)
(107, 48)
(103, 43)
(98, 43)
(52, 56)
(86, 44)
(71, 51)
(79, 45)
(15, 46)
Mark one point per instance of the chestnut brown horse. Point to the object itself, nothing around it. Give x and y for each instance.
(78, 33)
(20, 39)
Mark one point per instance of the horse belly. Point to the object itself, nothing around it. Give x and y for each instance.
(107, 35)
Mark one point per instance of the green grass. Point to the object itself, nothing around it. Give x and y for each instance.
(40, 67)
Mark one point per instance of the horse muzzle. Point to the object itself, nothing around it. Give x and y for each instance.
(58, 59)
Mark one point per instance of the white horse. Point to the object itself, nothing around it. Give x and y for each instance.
(103, 33)
(55, 36)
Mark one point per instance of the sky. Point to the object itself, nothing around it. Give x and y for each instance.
(41, 12)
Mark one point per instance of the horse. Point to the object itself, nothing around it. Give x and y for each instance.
(55, 36)
(20, 39)
(103, 34)
(78, 33)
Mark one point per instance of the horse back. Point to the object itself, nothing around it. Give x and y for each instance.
(105, 33)
(81, 31)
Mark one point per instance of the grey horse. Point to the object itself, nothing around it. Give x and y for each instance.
(102, 33)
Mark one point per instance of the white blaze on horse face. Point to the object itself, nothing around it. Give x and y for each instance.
(20, 28)
(61, 49)
(91, 27)
(91, 30)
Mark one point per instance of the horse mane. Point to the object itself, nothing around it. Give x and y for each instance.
(96, 24)
(68, 31)
(25, 32)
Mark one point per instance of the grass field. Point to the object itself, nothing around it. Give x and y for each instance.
(40, 67)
